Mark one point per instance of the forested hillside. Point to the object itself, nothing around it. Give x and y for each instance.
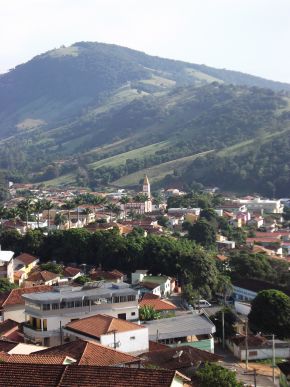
(95, 114)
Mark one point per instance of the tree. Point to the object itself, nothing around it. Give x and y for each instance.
(202, 232)
(82, 279)
(229, 320)
(147, 312)
(53, 267)
(38, 206)
(48, 205)
(6, 285)
(25, 206)
(215, 375)
(224, 286)
(270, 313)
(60, 219)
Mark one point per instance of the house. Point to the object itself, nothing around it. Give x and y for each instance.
(153, 301)
(92, 353)
(112, 276)
(42, 277)
(258, 347)
(184, 359)
(9, 329)
(49, 375)
(109, 331)
(35, 359)
(266, 205)
(191, 329)
(25, 262)
(12, 304)
(71, 273)
(7, 265)
(17, 225)
(159, 285)
(247, 289)
(47, 313)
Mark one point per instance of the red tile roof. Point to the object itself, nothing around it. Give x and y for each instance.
(168, 357)
(14, 296)
(8, 326)
(27, 259)
(42, 276)
(157, 304)
(90, 353)
(101, 324)
(6, 345)
(35, 359)
(51, 375)
(71, 271)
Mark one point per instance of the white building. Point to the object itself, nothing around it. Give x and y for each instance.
(258, 204)
(109, 331)
(7, 265)
(47, 313)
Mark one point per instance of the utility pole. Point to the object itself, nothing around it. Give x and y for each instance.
(223, 327)
(247, 349)
(273, 357)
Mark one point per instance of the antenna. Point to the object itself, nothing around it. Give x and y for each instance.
(178, 354)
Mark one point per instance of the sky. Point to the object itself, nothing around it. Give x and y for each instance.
(246, 35)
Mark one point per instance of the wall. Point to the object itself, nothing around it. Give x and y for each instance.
(265, 353)
(14, 312)
(139, 344)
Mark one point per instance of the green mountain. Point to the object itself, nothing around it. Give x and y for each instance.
(95, 114)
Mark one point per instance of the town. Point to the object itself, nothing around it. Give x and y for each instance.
(167, 286)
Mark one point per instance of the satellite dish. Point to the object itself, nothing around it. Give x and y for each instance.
(178, 354)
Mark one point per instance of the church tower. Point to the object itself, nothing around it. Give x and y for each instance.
(146, 187)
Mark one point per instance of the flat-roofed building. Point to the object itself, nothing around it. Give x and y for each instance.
(47, 313)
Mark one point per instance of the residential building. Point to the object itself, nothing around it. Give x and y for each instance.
(258, 347)
(159, 285)
(43, 277)
(47, 313)
(191, 329)
(109, 331)
(51, 375)
(12, 304)
(7, 265)
(266, 205)
(184, 359)
(247, 289)
(92, 353)
(25, 262)
(164, 307)
(71, 273)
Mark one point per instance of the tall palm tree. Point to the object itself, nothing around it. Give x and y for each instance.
(48, 205)
(60, 219)
(87, 211)
(26, 207)
(69, 205)
(125, 200)
(38, 207)
(110, 207)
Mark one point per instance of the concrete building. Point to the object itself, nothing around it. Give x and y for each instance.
(109, 331)
(7, 265)
(47, 313)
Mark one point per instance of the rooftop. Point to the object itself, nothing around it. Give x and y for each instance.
(178, 358)
(157, 304)
(14, 296)
(6, 256)
(101, 324)
(47, 375)
(27, 259)
(90, 353)
(190, 324)
(42, 276)
(105, 290)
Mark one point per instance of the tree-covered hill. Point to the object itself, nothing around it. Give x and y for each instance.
(92, 114)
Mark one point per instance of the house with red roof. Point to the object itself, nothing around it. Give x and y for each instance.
(109, 331)
(12, 304)
(158, 304)
(25, 262)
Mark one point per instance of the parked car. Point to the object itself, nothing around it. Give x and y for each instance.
(202, 304)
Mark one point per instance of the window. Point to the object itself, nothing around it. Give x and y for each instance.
(86, 303)
(132, 338)
(133, 313)
(253, 353)
(70, 304)
(46, 307)
(131, 298)
(78, 304)
(55, 306)
(44, 324)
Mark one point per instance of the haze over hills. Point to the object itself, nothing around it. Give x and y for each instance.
(94, 114)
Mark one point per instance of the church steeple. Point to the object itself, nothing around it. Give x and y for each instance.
(146, 186)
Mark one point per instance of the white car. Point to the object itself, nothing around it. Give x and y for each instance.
(202, 304)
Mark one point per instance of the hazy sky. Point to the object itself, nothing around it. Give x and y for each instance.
(247, 35)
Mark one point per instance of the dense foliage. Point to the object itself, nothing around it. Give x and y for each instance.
(215, 375)
(270, 313)
(6, 285)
